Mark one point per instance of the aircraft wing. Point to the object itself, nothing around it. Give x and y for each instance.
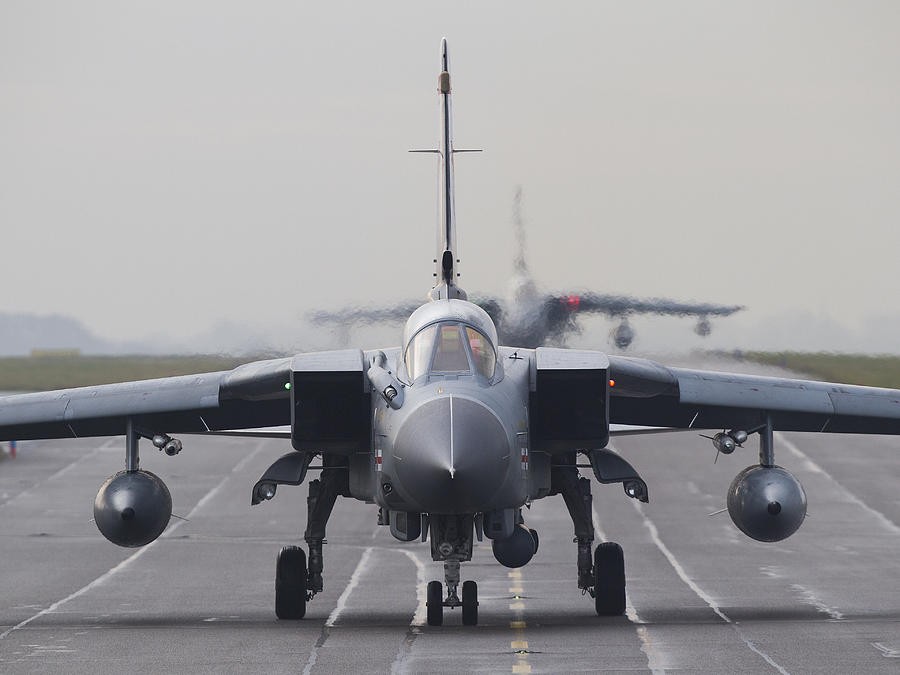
(399, 312)
(353, 315)
(622, 305)
(252, 395)
(646, 393)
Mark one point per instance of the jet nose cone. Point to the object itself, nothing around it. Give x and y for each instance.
(452, 455)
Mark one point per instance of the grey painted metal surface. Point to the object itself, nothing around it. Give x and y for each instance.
(167, 394)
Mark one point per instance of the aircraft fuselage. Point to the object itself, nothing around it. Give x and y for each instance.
(458, 444)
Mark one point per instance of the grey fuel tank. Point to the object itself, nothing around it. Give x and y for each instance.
(132, 508)
(767, 503)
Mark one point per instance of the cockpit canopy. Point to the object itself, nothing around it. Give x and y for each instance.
(450, 348)
(452, 337)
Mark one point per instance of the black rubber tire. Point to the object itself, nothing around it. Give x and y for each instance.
(534, 535)
(609, 579)
(290, 583)
(470, 603)
(435, 602)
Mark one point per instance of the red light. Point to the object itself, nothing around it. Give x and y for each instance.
(572, 302)
(612, 383)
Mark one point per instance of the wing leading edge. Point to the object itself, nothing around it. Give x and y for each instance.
(650, 394)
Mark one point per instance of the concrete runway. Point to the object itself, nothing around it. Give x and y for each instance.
(702, 597)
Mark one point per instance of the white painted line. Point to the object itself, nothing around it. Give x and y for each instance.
(61, 472)
(354, 582)
(654, 657)
(703, 595)
(887, 652)
(421, 596)
(816, 468)
(338, 609)
(106, 576)
(811, 598)
(418, 620)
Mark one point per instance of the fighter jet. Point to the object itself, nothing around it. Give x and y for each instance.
(450, 435)
(529, 317)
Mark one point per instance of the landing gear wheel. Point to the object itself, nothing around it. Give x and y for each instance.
(609, 579)
(290, 583)
(470, 603)
(435, 603)
(534, 535)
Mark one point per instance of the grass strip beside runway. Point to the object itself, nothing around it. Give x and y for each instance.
(874, 370)
(42, 373)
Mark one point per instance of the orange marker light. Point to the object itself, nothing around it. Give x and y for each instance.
(612, 383)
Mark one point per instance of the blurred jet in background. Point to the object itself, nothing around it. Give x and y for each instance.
(528, 317)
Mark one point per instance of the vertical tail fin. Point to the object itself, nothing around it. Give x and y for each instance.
(519, 264)
(446, 261)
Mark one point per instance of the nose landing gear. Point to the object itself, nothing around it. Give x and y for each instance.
(436, 602)
(451, 541)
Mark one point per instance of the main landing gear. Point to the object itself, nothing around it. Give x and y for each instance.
(451, 541)
(297, 580)
(602, 576)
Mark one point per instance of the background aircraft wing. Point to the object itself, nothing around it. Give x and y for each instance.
(352, 315)
(622, 305)
(250, 396)
(646, 393)
(400, 312)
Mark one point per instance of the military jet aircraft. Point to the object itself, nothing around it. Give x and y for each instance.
(529, 317)
(450, 435)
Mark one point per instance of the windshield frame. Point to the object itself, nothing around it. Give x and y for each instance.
(474, 364)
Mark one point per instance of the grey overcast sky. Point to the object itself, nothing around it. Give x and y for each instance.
(167, 165)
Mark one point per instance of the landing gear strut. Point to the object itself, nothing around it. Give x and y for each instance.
(295, 581)
(451, 541)
(602, 575)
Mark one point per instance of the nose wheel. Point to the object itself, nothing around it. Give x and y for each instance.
(470, 604)
(436, 601)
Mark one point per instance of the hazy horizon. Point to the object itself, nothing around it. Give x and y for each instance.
(166, 167)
